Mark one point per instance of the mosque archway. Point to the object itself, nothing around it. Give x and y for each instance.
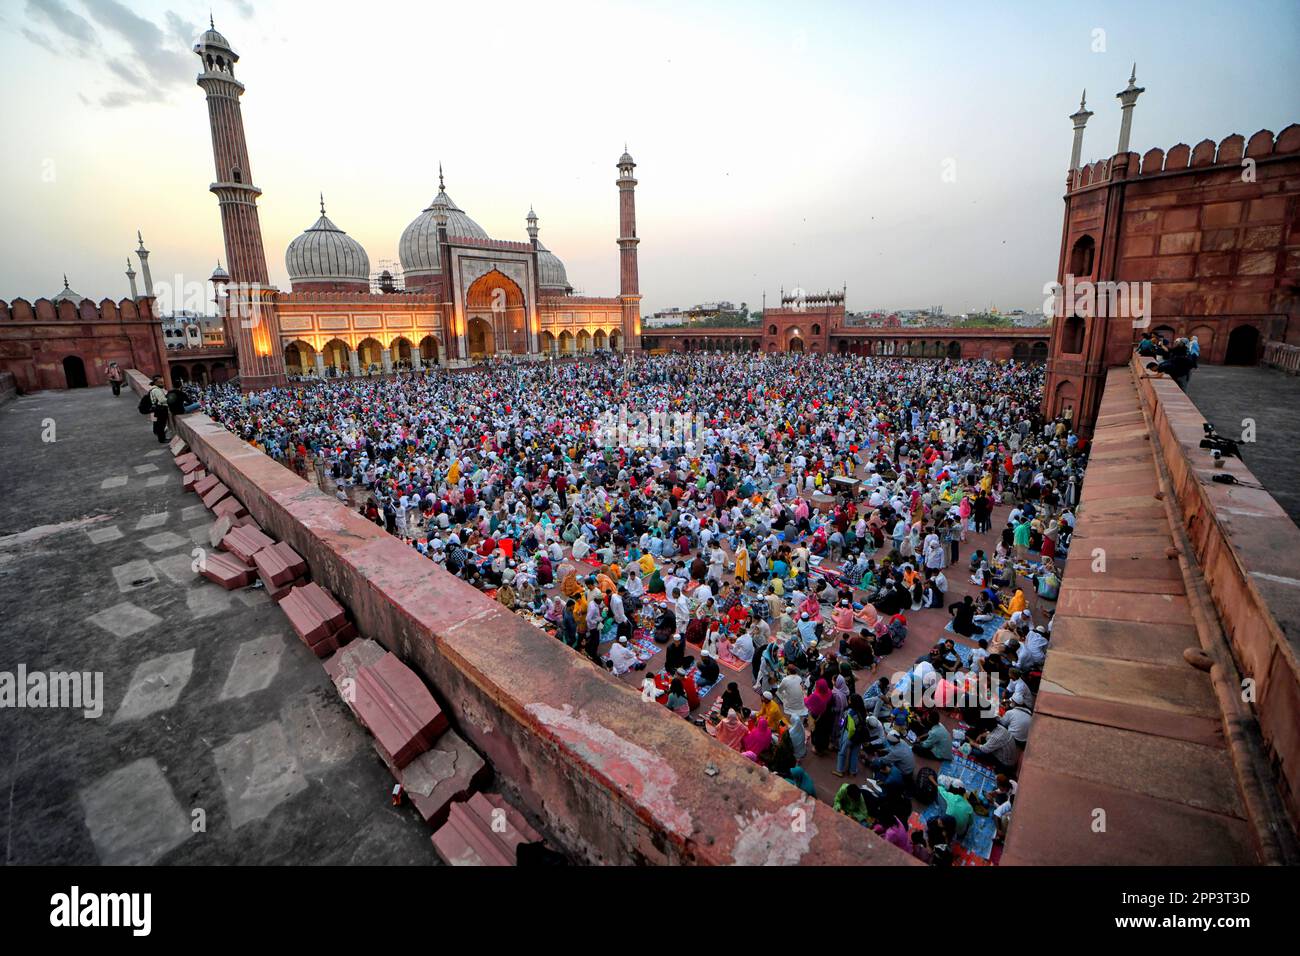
(220, 373)
(549, 344)
(1038, 352)
(796, 344)
(599, 341)
(495, 299)
(615, 341)
(482, 343)
(370, 356)
(336, 354)
(954, 350)
(180, 374)
(584, 341)
(566, 342)
(299, 357)
(400, 351)
(74, 371)
(429, 350)
(1020, 352)
(199, 374)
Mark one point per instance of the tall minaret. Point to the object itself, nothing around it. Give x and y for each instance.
(252, 323)
(1080, 121)
(143, 255)
(130, 277)
(532, 227)
(629, 289)
(1128, 97)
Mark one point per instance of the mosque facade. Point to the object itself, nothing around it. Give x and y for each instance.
(466, 296)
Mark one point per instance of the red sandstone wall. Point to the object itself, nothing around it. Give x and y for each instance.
(1249, 552)
(36, 337)
(620, 780)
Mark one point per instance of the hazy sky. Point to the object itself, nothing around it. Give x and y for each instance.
(777, 143)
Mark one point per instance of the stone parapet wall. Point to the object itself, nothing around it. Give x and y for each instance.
(618, 780)
(1249, 552)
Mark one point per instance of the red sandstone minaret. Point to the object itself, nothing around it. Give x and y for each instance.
(252, 323)
(629, 288)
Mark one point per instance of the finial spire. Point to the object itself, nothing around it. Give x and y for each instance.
(1083, 100)
(1132, 77)
(440, 186)
(65, 280)
(322, 203)
(211, 25)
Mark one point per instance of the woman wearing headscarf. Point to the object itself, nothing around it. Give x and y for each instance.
(742, 565)
(818, 704)
(731, 731)
(758, 740)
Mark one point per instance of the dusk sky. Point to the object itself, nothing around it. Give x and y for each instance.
(777, 144)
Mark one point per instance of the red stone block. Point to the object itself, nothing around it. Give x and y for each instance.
(227, 570)
(343, 667)
(229, 507)
(323, 602)
(206, 484)
(311, 615)
(214, 495)
(188, 463)
(280, 593)
(396, 706)
(470, 838)
(189, 481)
(279, 565)
(244, 543)
(178, 446)
(247, 521)
(448, 772)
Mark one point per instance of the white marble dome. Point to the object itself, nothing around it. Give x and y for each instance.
(325, 253)
(418, 249)
(551, 276)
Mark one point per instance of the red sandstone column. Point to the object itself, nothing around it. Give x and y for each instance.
(252, 320)
(629, 284)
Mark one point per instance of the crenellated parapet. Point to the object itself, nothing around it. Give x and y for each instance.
(44, 310)
(1232, 150)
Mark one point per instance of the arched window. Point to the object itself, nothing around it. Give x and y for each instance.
(771, 330)
(1072, 335)
(1081, 258)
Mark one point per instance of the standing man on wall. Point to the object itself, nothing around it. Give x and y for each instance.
(158, 401)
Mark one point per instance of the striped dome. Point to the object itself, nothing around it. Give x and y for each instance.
(551, 276)
(325, 253)
(418, 249)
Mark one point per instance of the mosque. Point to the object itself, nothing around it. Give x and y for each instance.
(466, 296)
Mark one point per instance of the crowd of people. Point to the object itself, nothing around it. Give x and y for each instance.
(786, 521)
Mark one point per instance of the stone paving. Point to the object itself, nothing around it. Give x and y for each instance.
(1228, 395)
(221, 740)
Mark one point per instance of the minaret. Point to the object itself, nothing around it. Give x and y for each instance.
(252, 324)
(1128, 98)
(629, 291)
(143, 254)
(1080, 121)
(532, 227)
(130, 277)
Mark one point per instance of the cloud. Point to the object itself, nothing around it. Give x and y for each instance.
(70, 24)
(41, 41)
(245, 9)
(181, 29)
(166, 65)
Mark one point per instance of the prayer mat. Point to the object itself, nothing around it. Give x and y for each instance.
(978, 839)
(643, 647)
(726, 659)
(986, 630)
(702, 689)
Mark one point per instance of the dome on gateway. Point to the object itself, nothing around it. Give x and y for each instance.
(418, 249)
(325, 253)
